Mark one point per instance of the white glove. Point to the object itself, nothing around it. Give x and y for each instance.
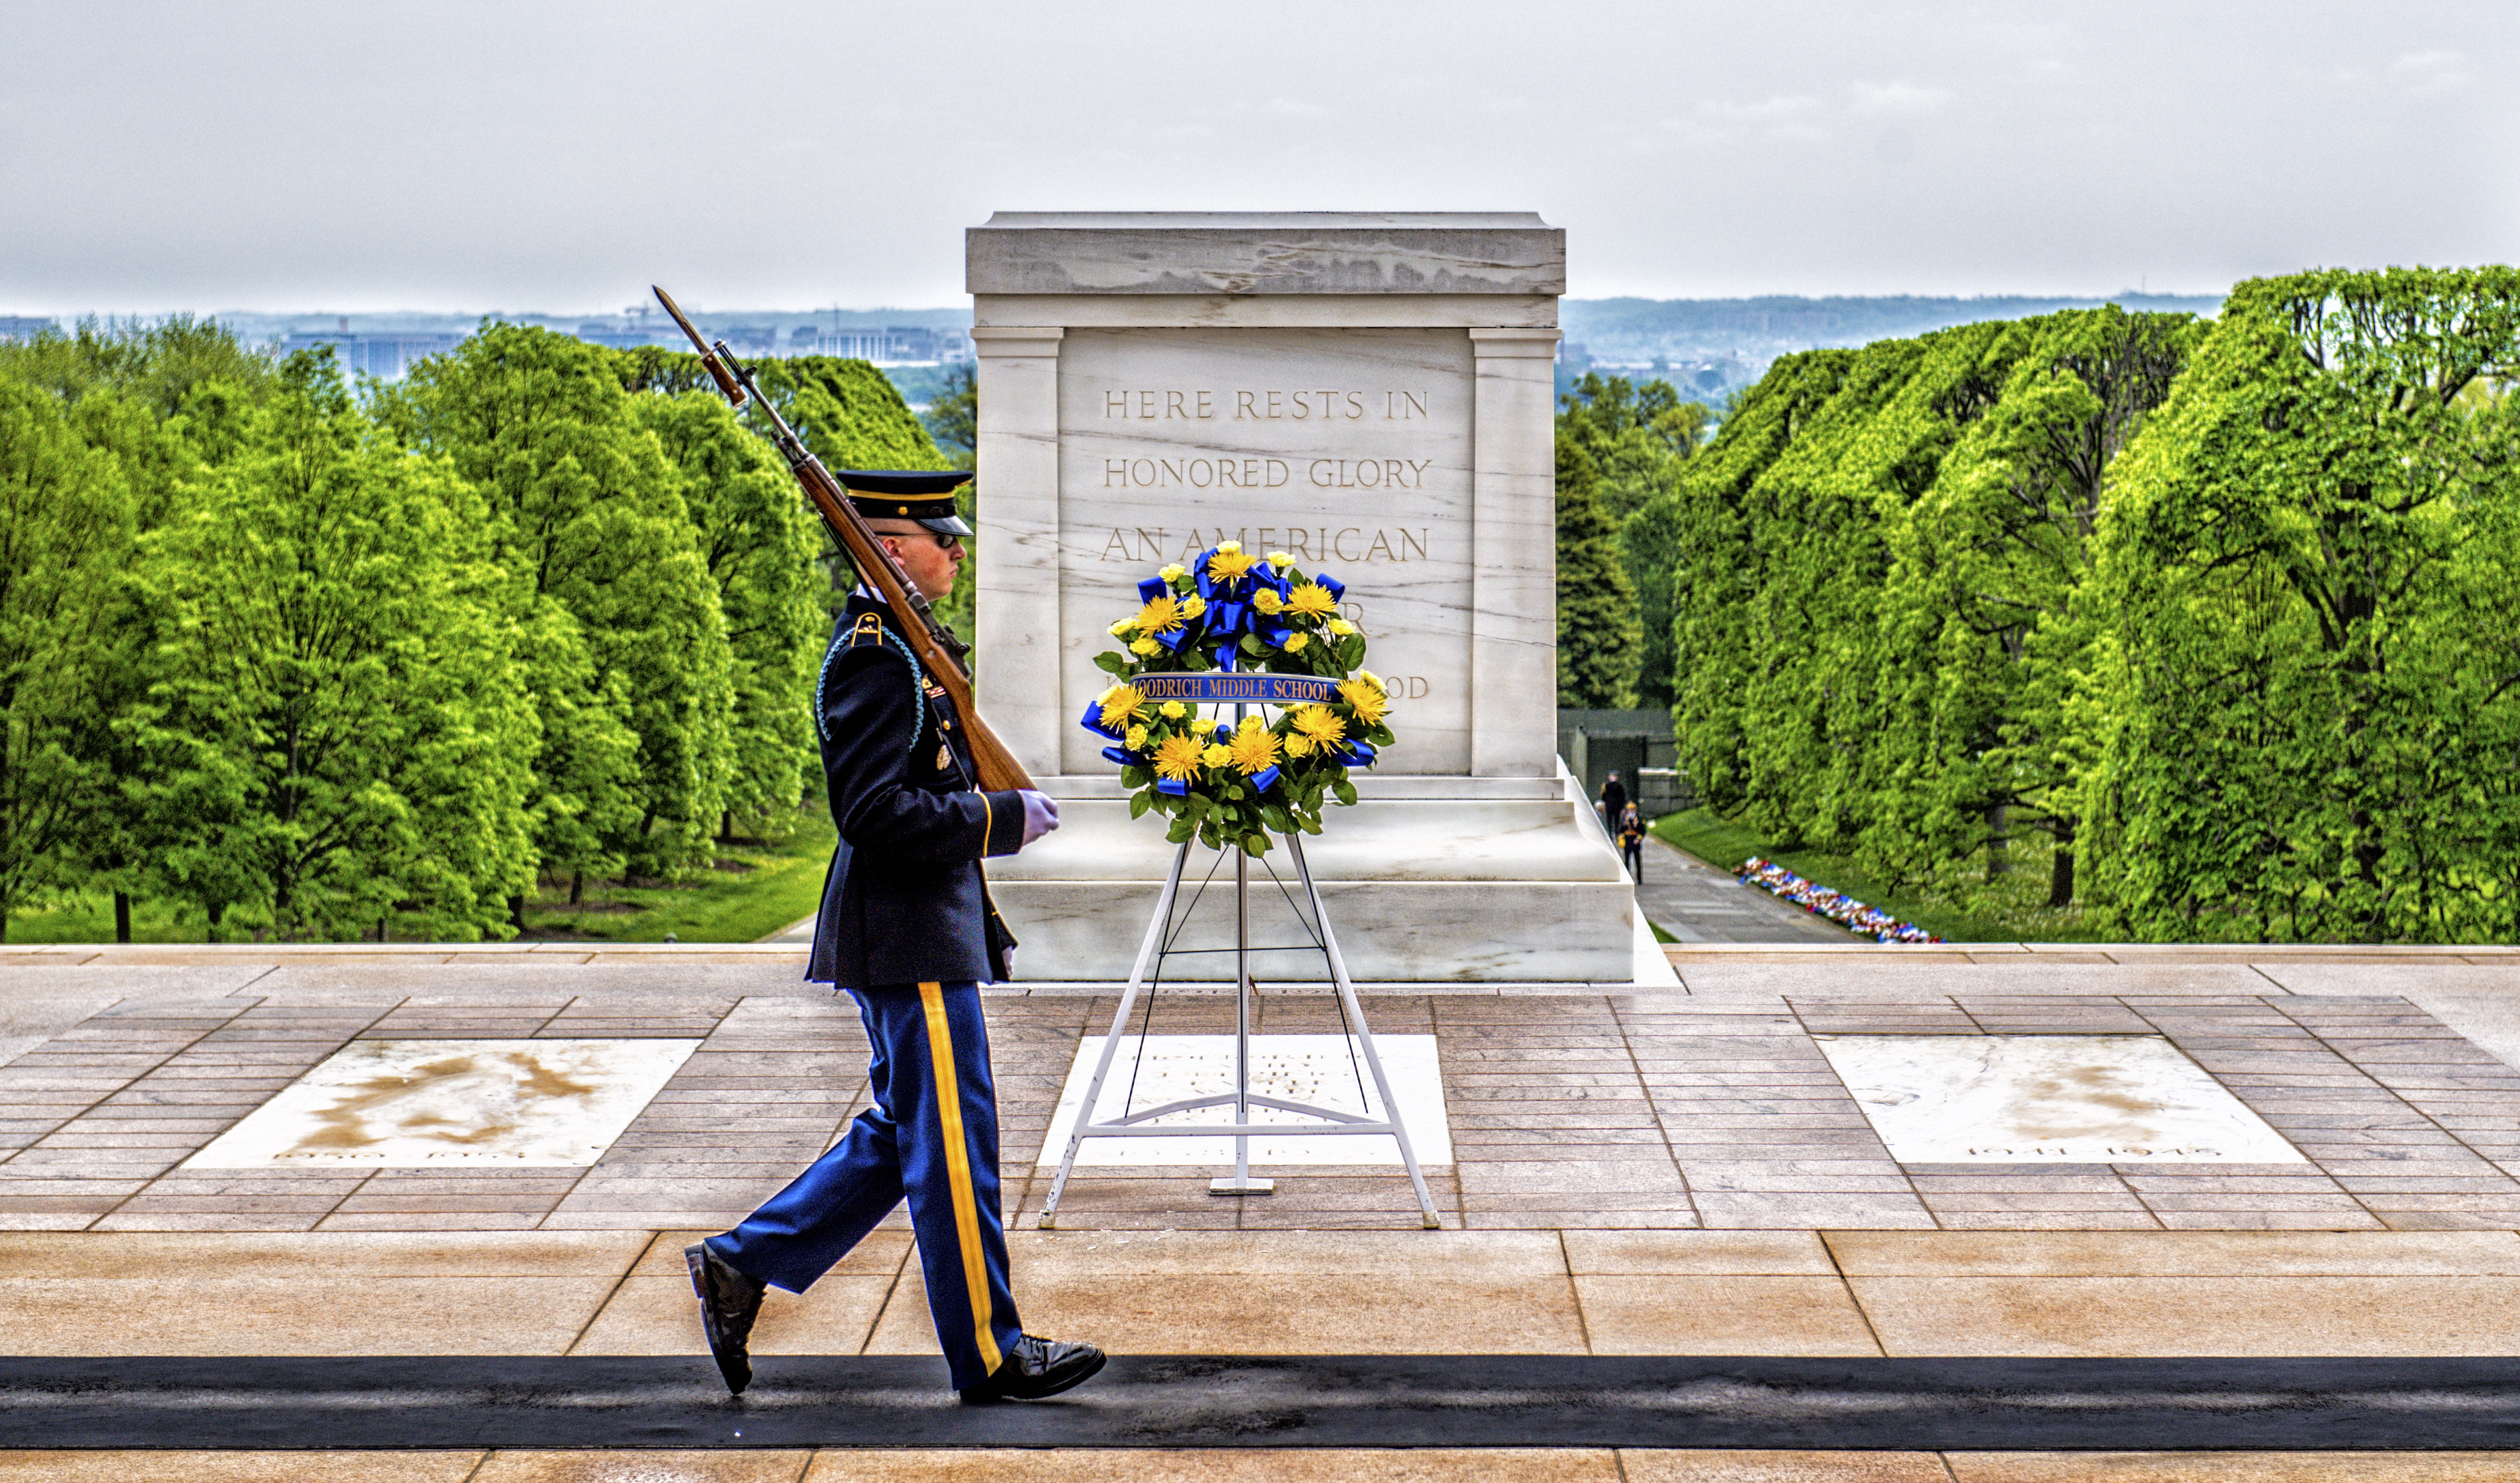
(1041, 814)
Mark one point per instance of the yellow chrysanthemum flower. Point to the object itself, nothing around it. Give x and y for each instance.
(1203, 726)
(1146, 647)
(1174, 710)
(1295, 643)
(1340, 626)
(1122, 627)
(1299, 746)
(1217, 755)
(1319, 723)
(1174, 573)
(1366, 700)
(1254, 747)
(1311, 600)
(1229, 547)
(1225, 566)
(1137, 739)
(1373, 679)
(1121, 702)
(1191, 607)
(1266, 601)
(1161, 614)
(1281, 560)
(1178, 757)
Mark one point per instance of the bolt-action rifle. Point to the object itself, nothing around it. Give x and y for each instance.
(940, 653)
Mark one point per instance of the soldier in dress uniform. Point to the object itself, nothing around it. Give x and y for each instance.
(908, 928)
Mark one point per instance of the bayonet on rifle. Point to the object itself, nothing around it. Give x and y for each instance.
(939, 649)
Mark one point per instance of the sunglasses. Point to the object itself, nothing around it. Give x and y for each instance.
(943, 541)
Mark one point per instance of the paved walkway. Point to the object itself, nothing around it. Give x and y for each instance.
(1683, 895)
(1679, 1173)
(1696, 902)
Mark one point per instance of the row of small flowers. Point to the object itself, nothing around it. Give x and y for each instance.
(1227, 782)
(1836, 906)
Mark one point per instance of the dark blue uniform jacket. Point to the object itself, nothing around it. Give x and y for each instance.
(905, 901)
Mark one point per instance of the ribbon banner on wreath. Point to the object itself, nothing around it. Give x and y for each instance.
(1233, 629)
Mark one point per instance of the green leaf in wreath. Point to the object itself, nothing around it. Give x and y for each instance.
(1255, 844)
(1346, 791)
(1181, 830)
(1138, 804)
(1117, 664)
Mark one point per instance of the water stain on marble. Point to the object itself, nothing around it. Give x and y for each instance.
(434, 1104)
(2047, 1099)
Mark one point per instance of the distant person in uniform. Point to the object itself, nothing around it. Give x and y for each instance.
(908, 929)
(1632, 842)
(1614, 801)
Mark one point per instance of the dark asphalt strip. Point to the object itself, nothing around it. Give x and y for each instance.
(1301, 1401)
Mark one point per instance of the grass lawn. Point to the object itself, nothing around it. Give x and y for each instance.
(761, 883)
(92, 921)
(2010, 911)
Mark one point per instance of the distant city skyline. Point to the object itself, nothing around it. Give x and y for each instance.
(1707, 349)
(163, 157)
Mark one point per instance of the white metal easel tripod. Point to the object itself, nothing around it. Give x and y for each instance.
(1241, 1098)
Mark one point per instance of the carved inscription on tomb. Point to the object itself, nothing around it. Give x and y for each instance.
(1349, 450)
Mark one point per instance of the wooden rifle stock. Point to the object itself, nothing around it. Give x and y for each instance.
(938, 650)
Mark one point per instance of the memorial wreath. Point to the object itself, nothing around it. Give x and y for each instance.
(1280, 633)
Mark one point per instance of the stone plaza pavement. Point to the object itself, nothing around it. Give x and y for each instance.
(1677, 1172)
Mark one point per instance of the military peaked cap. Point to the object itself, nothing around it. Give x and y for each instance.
(925, 495)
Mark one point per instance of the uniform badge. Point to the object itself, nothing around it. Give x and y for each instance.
(944, 757)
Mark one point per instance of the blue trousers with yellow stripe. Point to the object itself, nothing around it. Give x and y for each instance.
(932, 1135)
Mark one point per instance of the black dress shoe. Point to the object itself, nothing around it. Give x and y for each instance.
(728, 1303)
(1035, 1368)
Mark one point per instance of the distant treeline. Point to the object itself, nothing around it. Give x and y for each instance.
(2226, 616)
(325, 661)
(1633, 324)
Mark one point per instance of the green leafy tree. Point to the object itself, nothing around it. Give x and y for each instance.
(760, 546)
(66, 535)
(1635, 438)
(1703, 530)
(1598, 636)
(159, 401)
(1819, 548)
(158, 365)
(338, 735)
(953, 418)
(849, 414)
(1984, 646)
(586, 516)
(2303, 590)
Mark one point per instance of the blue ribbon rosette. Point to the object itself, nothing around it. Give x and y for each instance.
(1091, 721)
(1230, 613)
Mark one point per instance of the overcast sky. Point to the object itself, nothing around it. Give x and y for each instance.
(549, 155)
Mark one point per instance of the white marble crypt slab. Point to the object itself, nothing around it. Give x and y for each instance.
(453, 1104)
(1308, 1068)
(2047, 1099)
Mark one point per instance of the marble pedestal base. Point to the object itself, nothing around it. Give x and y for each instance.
(1507, 881)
